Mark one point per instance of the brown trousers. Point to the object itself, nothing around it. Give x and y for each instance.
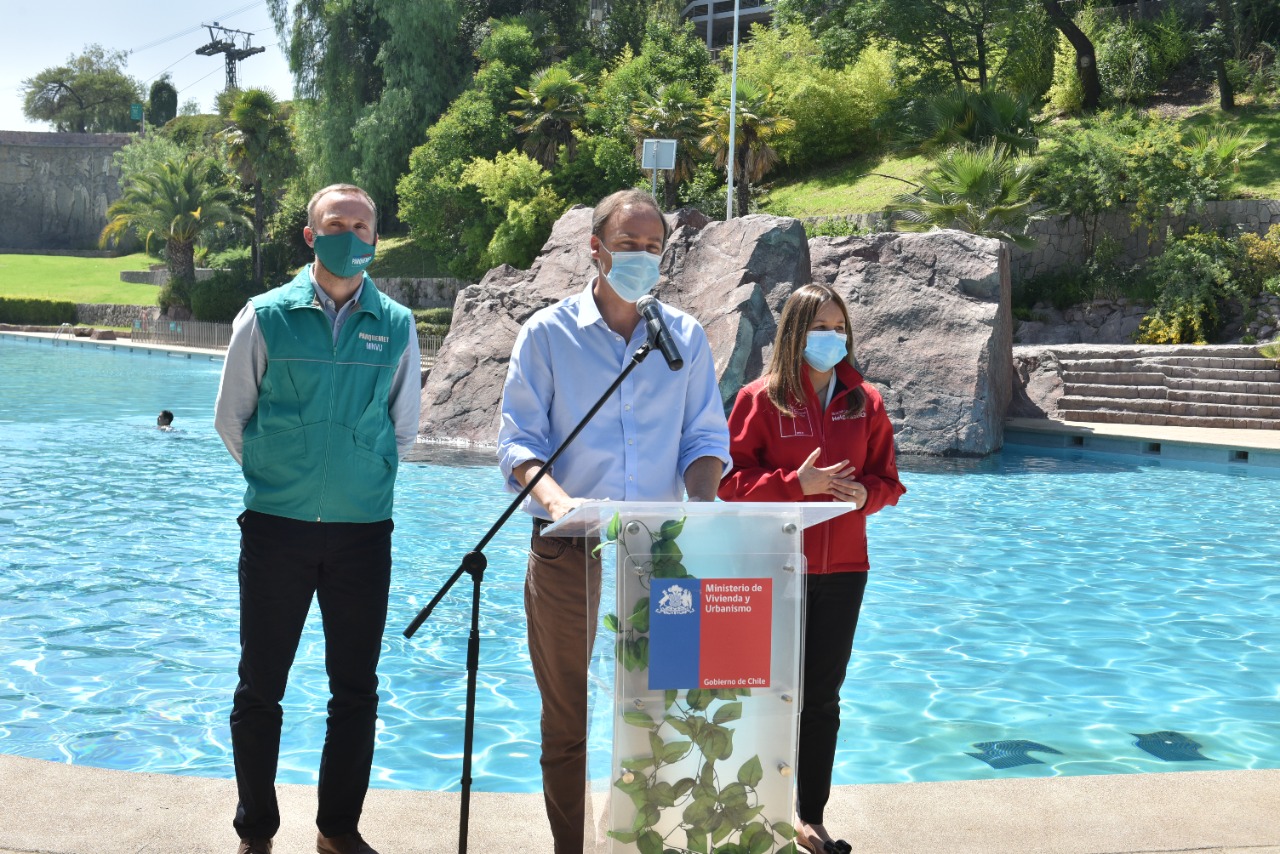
(562, 601)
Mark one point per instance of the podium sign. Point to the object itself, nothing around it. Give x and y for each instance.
(703, 644)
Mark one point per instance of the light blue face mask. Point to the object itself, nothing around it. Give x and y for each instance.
(343, 254)
(824, 348)
(633, 274)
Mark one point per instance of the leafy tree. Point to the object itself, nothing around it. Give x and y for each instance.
(259, 147)
(758, 124)
(670, 53)
(1193, 278)
(549, 111)
(833, 108)
(370, 75)
(983, 190)
(520, 203)
(177, 201)
(162, 101)
(1086, 55)
(603, 165)
(89, 94)
(672, 112)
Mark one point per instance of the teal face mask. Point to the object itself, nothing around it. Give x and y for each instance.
(344, 255)
(823, 349)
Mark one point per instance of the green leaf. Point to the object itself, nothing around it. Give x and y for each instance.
(675, 751)
(665, 549)
(642, 653)
(638, 763)
(615, 527)
(625, 837)
(734, 794)
(639, 619)
(656, 745)
(611, 622)
(698, 699)
(662, 795)
(637, 718)
(696, 841)
(699, 812)
(726, 693)
(680, 725)
(637, 784)
(784, 829)
(728, 712)
(751, 772)
(682, 786)
(669, 699)
(670, 530)
(760, 843)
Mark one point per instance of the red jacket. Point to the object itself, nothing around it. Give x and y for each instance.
(768, 448)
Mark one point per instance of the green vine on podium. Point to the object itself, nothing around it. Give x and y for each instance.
(714, 808)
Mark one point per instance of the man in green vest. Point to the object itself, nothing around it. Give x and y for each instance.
(318, 402)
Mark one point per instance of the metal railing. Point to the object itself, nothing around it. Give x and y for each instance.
(429, 345)
(182, 333)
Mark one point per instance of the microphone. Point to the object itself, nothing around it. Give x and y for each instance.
(650, 309)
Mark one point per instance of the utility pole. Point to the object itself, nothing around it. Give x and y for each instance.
(223, 41)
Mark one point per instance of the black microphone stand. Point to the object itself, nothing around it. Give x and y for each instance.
(474, 564)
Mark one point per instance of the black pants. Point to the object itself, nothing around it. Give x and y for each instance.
(283, 563)
(831, 617)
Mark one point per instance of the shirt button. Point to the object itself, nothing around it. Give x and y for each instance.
(631, 441)
(626, 406)
(630, 477)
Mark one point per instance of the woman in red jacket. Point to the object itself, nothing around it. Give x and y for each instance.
(811, 429)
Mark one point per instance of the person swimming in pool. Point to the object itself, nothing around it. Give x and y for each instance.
(164, 421)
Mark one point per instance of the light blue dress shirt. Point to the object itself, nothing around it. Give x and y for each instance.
(639, 444)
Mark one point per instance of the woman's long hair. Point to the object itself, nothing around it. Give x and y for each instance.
(784, 382)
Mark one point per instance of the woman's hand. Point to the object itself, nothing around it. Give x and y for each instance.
(836, 481)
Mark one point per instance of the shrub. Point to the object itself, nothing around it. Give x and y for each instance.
(219, 298)
(1192, 278)
(1262, 257)
(433, 321)
(175, 293)
(706, 191)
(36, 312)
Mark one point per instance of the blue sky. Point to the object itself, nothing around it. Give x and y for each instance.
(160, 35)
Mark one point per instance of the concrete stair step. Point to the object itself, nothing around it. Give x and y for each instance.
(1114, 378)
(1197, 408)
(1139, 351)
(1178, 372)
(1231, 386)
(1135, 392)
(1215, 395)
(1099, 416)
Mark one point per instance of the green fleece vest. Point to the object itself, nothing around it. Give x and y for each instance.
(321, 446)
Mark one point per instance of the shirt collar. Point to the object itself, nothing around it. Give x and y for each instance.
(588, 311)
(322, 297)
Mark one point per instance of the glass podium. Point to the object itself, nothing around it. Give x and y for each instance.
(695, 673)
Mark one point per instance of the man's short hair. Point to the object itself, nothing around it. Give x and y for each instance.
(614, 202)
(343, 189)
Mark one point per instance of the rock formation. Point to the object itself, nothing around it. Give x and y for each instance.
(930, 313)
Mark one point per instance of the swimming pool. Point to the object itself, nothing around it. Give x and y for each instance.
(1034, 614)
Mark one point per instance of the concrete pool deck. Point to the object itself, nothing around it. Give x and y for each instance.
(53, 808)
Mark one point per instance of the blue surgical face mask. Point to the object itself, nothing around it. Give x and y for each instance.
(633, 274)
(344, 254)
(824, 348)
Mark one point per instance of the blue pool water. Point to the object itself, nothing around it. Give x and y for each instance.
(1027, 615)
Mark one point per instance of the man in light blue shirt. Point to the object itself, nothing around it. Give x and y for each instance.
(662, 434)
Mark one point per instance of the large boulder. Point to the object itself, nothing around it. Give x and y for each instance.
(733, 276)
(932, 326)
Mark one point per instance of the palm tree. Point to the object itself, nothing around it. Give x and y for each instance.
(549, 111)
(670, 113)
(260, 151)
(758, 122)
(179, 199)
(960, 116)
(982, 190)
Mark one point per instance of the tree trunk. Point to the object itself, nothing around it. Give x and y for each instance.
(1226, 21)
(743, 188)
(259, 204)
(1226, 93)
(670, 191)
(182, 259)
(1086, 57)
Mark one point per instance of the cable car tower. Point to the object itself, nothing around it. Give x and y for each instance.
(222, 40)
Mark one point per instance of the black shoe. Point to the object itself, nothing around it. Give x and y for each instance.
(254, 846)
(343, 843)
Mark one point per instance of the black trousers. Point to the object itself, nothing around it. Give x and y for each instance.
(283, 564)
(831, 617)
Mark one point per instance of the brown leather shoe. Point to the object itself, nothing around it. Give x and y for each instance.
(254, 846)
(344, 843)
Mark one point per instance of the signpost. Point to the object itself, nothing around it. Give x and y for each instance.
(137, 114)
(657, 154)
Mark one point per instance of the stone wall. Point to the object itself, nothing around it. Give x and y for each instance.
(55, 188)
(98, 314)
(422, 293)
(158, 277)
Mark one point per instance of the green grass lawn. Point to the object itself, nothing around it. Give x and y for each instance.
(852, 186)
(88, 280)
(398, 258)
(1259, 176)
